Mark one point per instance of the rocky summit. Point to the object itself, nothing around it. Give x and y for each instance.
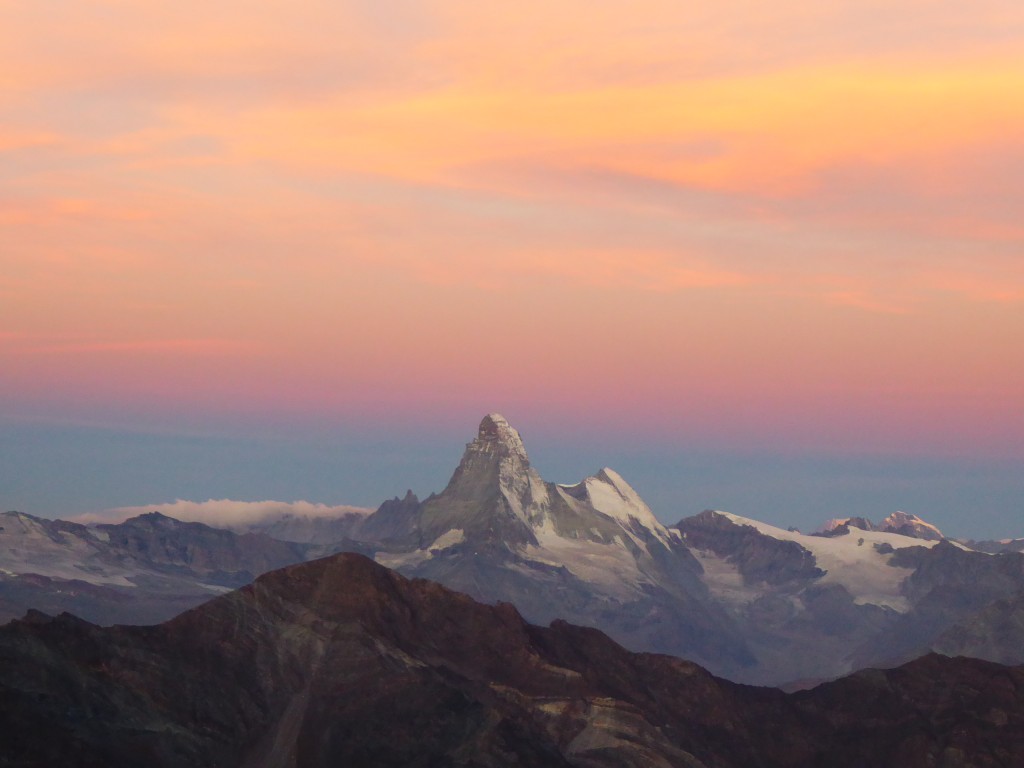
(343, 662)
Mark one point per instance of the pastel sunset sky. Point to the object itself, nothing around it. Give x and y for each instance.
(766, 257)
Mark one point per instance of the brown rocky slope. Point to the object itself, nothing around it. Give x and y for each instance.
(343, 662)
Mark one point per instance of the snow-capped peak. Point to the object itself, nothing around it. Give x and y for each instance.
(910, 525)
(599, 529)
(611, 495)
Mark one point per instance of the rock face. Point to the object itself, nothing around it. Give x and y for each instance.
(494, 498)
(342, 662)
(995, 633)
(946, 586)
(591, 553)
(757, 557)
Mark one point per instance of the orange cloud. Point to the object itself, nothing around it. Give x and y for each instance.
(145, 346)
(58, 211)
(866, 301)
(359, 193)
(628, 270)
(772, 133)
(981, 288)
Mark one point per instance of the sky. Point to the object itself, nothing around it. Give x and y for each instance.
(766, 258)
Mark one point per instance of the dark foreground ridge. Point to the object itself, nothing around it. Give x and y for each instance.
(343, 662)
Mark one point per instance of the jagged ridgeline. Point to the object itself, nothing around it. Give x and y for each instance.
(749, 601)
(343, 662)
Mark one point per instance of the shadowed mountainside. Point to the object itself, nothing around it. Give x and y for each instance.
(343, 662)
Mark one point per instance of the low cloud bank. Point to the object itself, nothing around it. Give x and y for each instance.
(226, 513)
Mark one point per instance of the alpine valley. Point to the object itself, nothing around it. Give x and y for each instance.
(745, 600)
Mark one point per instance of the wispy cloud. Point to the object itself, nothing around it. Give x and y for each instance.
(226, 513)
(638, 269)
(329, 197)
(980, 287)
(42, 345)
(868, 302)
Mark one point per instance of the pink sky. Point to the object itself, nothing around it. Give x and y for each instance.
(796, 223)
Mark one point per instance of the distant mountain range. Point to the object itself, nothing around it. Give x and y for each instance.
(144, 570)
(897, 522)
(344, 662)
(749, 601)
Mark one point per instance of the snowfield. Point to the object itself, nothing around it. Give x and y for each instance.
(852, 561)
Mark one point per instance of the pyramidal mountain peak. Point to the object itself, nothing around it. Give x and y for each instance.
(610, 494)
(493, 498)
(495, 463)
(500, 531)
(496, 494)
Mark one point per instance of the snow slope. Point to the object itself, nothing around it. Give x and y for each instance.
(854, 561)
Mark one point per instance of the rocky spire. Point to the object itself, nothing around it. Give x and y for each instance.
(496, 497)
(495, 429)
(494, 492)
(496, 455)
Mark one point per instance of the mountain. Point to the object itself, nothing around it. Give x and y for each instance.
(196, 550)
(343, 662)
(898, 522)
(591, 553)
(814, 607)
(308, 529)
(749, 601)
(910, 525)
(805, 603)
(946, 586)
(296, 521)
(143, 570)
(996, 547)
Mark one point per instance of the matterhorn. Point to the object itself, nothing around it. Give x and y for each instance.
(590, 552)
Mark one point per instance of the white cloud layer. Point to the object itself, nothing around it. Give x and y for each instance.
(226, 513)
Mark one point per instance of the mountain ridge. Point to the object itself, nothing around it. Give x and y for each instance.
(341, 661)
(750, 601)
